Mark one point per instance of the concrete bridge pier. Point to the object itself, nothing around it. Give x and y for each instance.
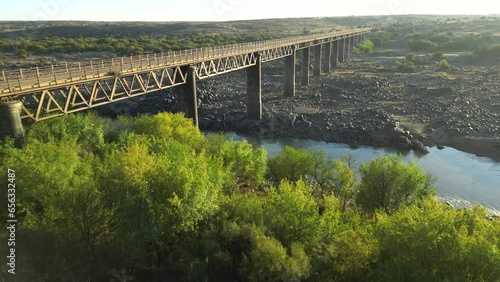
(317, 60)
(306, 61)
(289, 87)
(327, 53)
(353, 44)
(187, 100)
(342, 50)
(335, 54)
(348, 48)
(254, 94)
(10, 122)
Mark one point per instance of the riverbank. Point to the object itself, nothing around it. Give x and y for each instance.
(462, 179)
(362, 102)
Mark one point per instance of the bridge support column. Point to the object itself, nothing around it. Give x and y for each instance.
(348, 48)
(342, 50)
(335, 54)
(306, 61)
(327, 53)
(351, 49)
(10, 122)
(254, 96)
(289, 87)
(317, 60)
(187, 100)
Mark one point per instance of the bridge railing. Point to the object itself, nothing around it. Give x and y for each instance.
(37, 77)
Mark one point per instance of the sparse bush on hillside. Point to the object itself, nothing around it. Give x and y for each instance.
(422, 45)
(380, 38)
(489, 52)
(23, 54)
(444, 65)
(405, 66)
(438, 55)
(411, 57)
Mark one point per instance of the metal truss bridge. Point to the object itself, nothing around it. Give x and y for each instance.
(45, 92)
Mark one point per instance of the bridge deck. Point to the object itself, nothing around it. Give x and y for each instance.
(27, 81)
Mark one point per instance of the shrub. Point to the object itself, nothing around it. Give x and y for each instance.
(23, 54)
(292, 164)
(388, 182)
(489, 52)
(405, 66)
(438, 55)
(411, 57)
(366, 46)
(444, 65)
(422, 45)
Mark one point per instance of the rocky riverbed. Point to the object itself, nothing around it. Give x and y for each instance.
(362, 102)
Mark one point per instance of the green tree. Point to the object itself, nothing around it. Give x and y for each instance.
(292, 164)
(365, 46)
(169, 126)
(388, 182)
(247, 166)
(268, 260)
(432, 242)
(163, 190)
(333, 177)
(57, 196)
(346, 249)
(291, 213)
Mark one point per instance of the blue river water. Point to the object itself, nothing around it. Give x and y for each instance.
(462, 179)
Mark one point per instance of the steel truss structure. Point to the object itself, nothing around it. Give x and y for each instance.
(50, 93)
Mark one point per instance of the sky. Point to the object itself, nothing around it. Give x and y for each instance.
(227, 10)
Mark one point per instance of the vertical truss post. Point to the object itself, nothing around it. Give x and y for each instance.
(19, 82)
(54, 74)
(38, 76)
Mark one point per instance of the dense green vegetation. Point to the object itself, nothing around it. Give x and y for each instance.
(155, 197)
(365, 46)
(120, 45)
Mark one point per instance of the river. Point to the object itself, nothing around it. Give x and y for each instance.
(463, 179)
